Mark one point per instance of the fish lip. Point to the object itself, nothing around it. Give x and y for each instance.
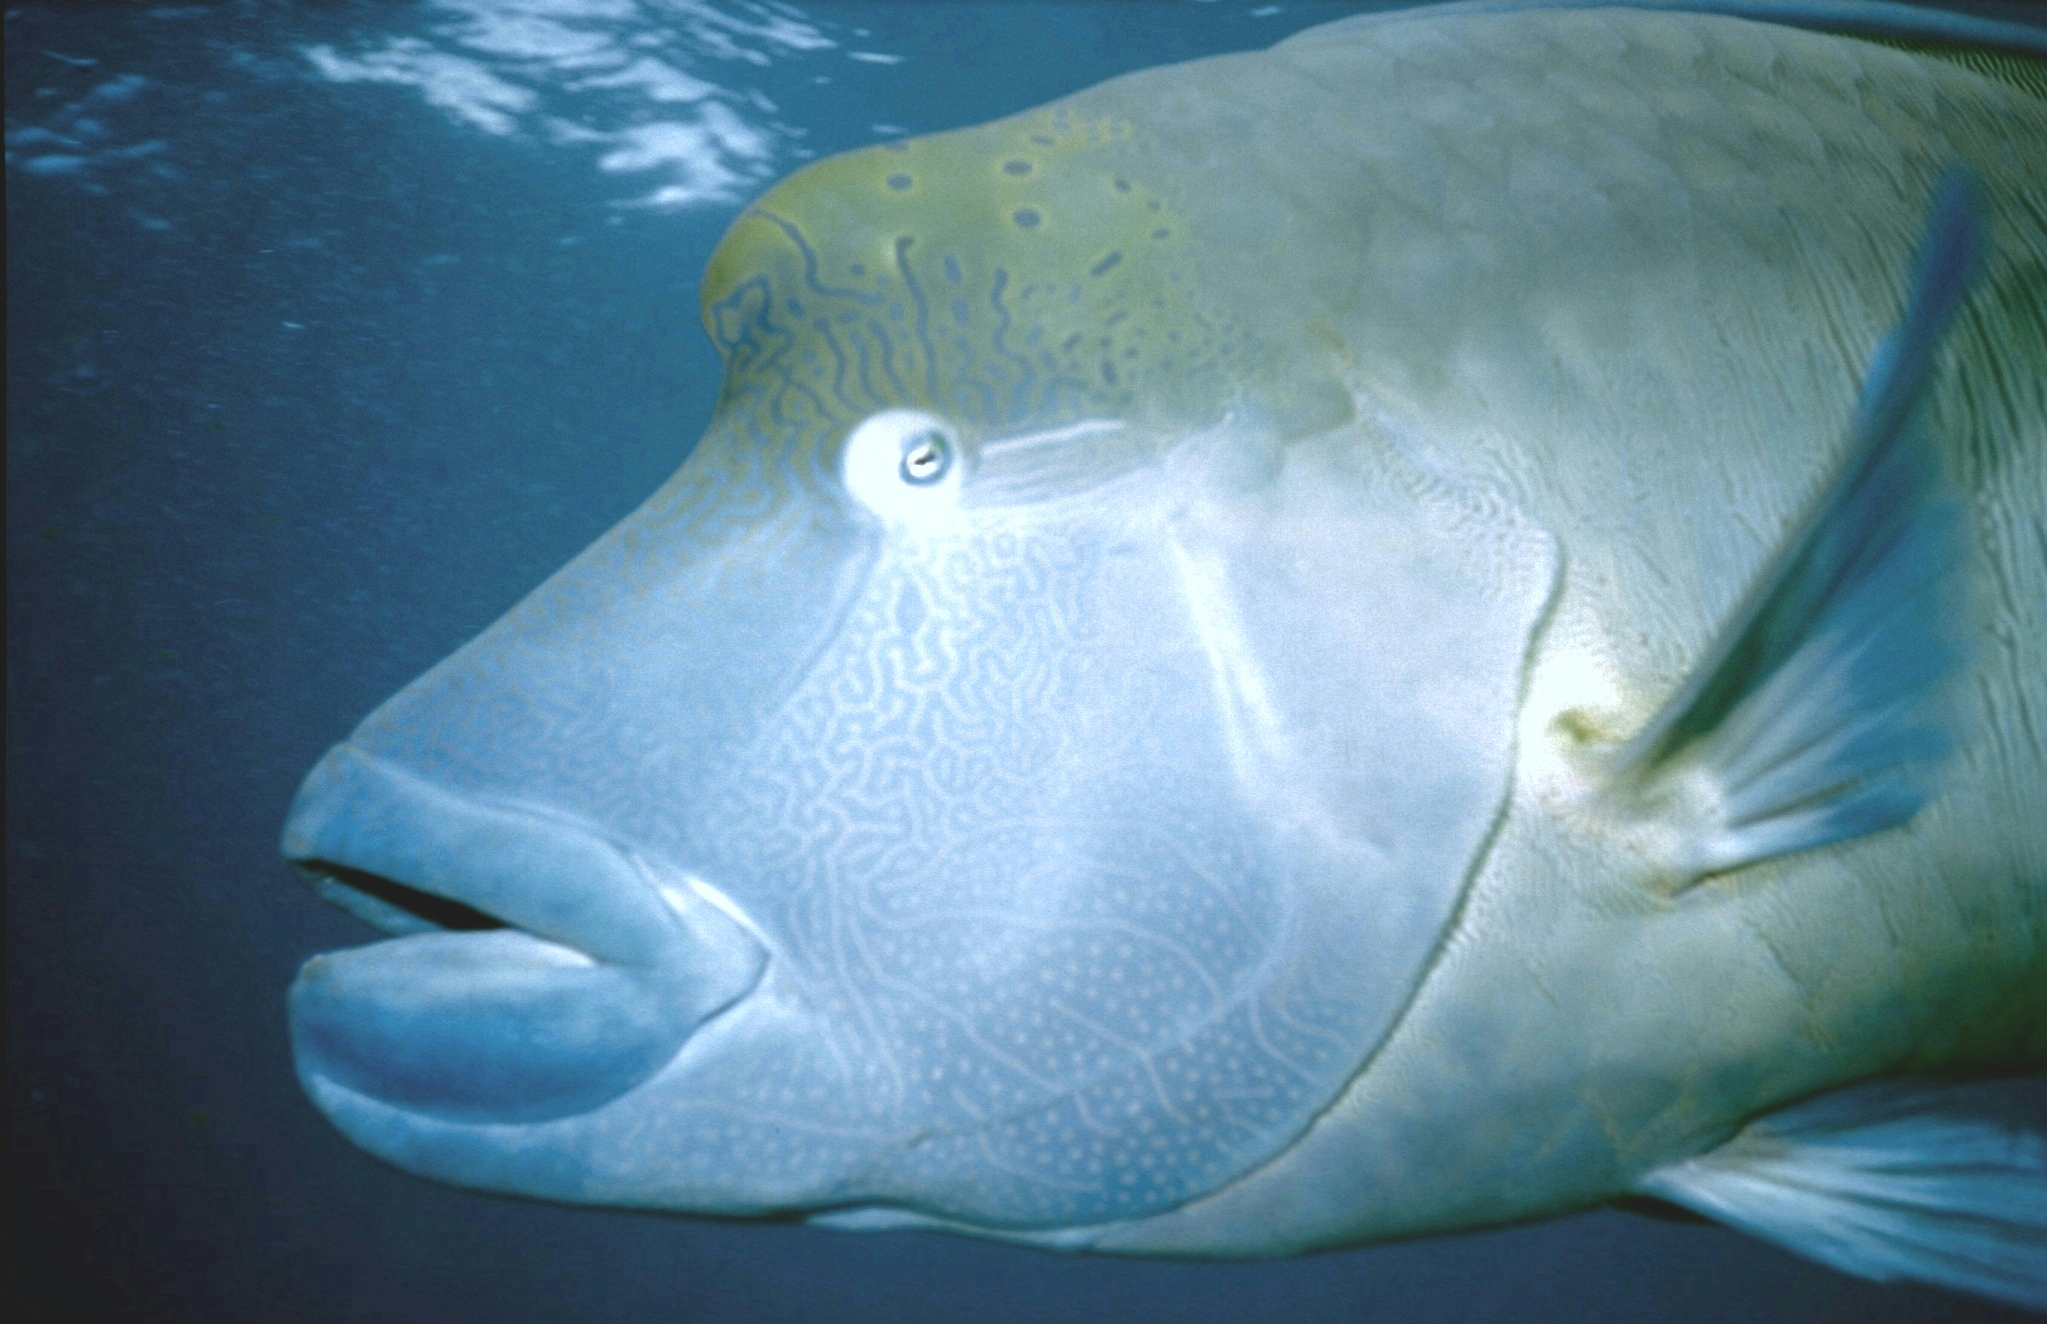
(454, 1029)
(516, 864)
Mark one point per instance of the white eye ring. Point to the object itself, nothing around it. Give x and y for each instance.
(904, 465)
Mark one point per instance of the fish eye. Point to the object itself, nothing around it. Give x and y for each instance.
(926, 457)
(904, 465)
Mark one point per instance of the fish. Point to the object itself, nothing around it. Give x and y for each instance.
(1431, 626)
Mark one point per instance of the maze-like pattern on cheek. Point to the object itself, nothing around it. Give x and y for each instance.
(1057, 969)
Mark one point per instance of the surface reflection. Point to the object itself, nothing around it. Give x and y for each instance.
(637, 82)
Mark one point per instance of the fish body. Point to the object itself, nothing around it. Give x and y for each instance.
(1203, 691)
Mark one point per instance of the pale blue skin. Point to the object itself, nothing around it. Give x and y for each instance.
(1048, 845)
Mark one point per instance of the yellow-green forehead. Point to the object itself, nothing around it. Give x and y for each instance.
(1031, 267)
(1048, 187)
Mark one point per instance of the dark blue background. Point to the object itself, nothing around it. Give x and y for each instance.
(229, 537)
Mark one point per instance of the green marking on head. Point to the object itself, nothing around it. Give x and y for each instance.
(1022, 273)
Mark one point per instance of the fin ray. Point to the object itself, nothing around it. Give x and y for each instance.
(1941, 1184)
(1820, 714)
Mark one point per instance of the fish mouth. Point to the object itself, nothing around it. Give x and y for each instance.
(391, 905)
(540, 971)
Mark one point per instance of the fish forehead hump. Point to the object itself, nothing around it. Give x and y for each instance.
(1000, 276)
(1036, 271)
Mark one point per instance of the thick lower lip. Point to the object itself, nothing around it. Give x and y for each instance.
(544, 971)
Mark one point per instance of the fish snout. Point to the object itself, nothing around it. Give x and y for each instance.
(541, 970)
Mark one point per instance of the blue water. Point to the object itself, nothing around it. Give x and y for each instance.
(331, 331)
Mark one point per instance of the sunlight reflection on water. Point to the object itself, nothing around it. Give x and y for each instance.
(624, 78)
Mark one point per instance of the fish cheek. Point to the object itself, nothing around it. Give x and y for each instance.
(1057, 839)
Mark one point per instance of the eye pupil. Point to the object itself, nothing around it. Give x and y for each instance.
(926, 457)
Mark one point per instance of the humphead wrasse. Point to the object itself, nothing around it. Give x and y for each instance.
(1430, 626)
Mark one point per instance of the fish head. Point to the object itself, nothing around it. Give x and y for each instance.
(1013, 773)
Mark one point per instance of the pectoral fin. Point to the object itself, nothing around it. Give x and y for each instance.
(1943, 1184)
(1821, 713)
